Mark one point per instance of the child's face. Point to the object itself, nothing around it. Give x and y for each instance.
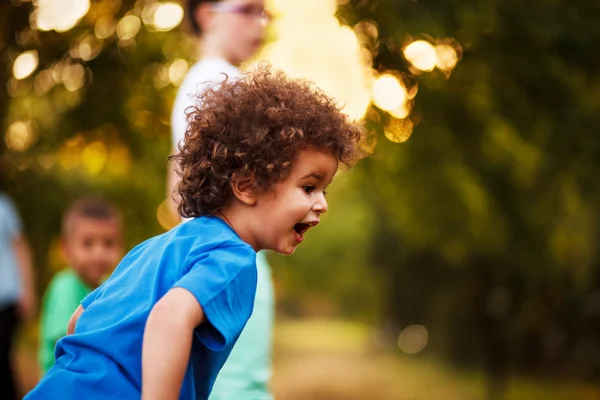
(93, 247)
(290, 208)
(238, 27)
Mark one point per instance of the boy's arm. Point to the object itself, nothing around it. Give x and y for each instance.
(172, 181)
(167, 344)
(73, 320)
(27, 302)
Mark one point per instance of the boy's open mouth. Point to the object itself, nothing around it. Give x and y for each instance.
(301, 227)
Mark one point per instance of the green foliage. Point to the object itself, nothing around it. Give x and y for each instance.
(494, 192)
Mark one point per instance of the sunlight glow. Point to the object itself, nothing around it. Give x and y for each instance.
(25, 64)
(421, 54)
(307, 31)
(59, 15)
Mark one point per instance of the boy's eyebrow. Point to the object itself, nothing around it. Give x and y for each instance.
(315, 175)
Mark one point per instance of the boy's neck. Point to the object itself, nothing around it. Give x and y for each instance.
(208, 49)
(235, 218)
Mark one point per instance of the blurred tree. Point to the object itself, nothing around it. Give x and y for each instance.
(481, 224)
(499, 170)
(93, 115)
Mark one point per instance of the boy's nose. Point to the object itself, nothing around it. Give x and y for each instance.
(100, 252)
(320, 205)
(264, 20)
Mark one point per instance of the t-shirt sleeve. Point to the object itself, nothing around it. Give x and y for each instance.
(224, 283)
(60, 301)
(87, 300)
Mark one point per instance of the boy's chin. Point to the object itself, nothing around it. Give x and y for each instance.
(287, 251)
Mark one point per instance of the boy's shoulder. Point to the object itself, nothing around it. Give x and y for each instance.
(208, 72)
(200, 237)
(213, 67)
(65, 278)
(209, 230)
(63, 294)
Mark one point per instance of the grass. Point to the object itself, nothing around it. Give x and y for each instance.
(331, 360)
(338, 360)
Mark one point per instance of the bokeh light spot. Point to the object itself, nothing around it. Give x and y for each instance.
(20, 135)
(165, 216)
(177, 71)
(413, 339)
(161, 77)
(25, 64)
(87, 48)
(128, 27)
(73, 77)
(105, 27)
(400, 112)
(167, 16)
(446, 57)
(421, 54)
(387, 93)
(119, 160)
(94, 157)
(398, 130)
(59, 15)
(43, 82)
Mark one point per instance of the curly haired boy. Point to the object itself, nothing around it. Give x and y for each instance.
(258, 156)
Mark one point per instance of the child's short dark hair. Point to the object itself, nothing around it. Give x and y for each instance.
(255, 127)
(191, 13)
(89, 207)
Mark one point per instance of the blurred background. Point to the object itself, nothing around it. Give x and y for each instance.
(459, 261)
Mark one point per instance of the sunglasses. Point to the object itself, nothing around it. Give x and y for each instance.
(244, 9)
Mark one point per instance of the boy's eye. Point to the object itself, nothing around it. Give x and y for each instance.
(309, 189)
(324, 192)
(248, 10)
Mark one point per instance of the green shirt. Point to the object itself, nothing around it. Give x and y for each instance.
(64, 293)
(247, 371)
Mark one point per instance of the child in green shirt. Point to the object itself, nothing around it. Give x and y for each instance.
(92, 246)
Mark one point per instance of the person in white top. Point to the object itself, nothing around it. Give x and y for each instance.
(229, 32)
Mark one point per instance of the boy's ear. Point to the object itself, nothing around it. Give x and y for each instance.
(203, 15)
(243, 188)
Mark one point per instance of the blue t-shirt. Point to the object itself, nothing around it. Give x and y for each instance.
(103, 359)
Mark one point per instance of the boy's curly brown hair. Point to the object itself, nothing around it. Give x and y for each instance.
(255, 127)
